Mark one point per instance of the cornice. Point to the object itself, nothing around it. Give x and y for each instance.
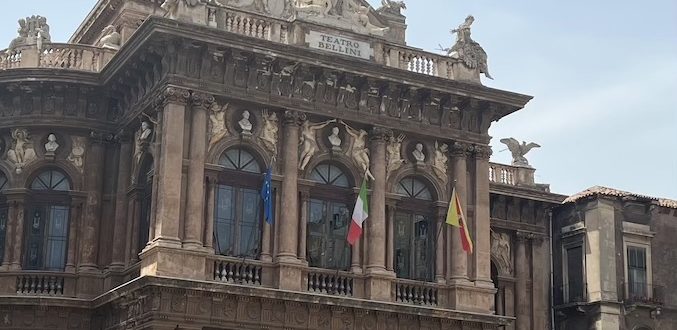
(159, 27)
(527, 193)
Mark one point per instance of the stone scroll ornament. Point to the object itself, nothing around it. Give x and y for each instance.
(468, 51)
(270, 131)
(358, 148)
(308, 141)
(394, 158)
(77, 153)
(218, 128)
(22, 151)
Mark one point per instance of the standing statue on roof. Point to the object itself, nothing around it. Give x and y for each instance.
(392, 6)
(519, 150)
(467, 50)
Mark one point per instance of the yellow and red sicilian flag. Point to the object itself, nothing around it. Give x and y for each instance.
(456, 218)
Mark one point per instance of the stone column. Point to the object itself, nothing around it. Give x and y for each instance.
(523, 321)
(94, 174)
(166, 226)
(289, 216)
(73, 240)
(303, 224)
(18, 233)
(10, 236)
(377, 203)
(133, 219)
(196, 171)
(439, 244)
(482, 233)
(121, 203)
(459, 258)
(390, 246)
(211, 204)
(540, 282)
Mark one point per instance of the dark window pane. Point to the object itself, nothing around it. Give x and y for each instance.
(225, 220)
(329, 174)
(249, 225)
(327, 229)
(575, 273)
(239, 160)
(637, 272)
(51, 180)
(413, 188)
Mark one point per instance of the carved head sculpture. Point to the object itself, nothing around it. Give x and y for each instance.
(419, 147)
(245, 114)
(145, 125)
(108, 30)
(335, 130)
(51, 138)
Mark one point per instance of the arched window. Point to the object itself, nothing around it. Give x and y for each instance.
(46, 222)
(329, 218)
(3, 216)
(238, 212)
(145, 198)
(415, 232)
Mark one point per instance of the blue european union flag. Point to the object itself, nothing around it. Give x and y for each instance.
(267, 196)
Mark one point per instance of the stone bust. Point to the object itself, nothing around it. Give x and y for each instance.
(418, 154)
(146, 131)
(51, 145)
(335, 139)
(245, 123)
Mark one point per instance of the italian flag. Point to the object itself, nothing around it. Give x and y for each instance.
(456, 218)
(360, 214)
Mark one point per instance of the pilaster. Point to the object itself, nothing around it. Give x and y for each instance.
(481, 258)
(94, 174)
(522, 273)
(121, 202)
(459, 258)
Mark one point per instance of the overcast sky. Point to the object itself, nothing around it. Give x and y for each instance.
(603, 74)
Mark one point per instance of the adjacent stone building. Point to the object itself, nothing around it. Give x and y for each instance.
(614, 257)
(132, 159)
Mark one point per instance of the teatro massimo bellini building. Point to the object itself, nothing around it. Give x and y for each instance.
(131, 163)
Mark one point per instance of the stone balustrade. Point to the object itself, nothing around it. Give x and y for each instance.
(515, 176)
(40, 284)
(236, 271)
(416, 293)
(330, 282)
(57, 56)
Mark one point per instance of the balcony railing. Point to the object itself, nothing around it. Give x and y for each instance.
(237, 271)
(331, 282)
(416, 293)
(643, 293)
(503, 174)
(571, 293)
(57, 56)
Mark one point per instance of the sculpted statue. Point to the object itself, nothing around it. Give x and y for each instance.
(467, 50)
(276, 8)
(321, 7)
(393, 153)
(308, 142)
(217, 119)
(77, 152)
(32, 30)
(358, 148)
(335, 139)
(171, 7)
(418, 153)
(519, 150)
(51, 145)
(440, 161)
(361, 18)
(269, 133)
(22, 152)
(393, 7)
(245, 124)
(143, 137)
(500, 249)
(110, 39)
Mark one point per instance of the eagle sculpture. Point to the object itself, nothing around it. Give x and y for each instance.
(519, 150)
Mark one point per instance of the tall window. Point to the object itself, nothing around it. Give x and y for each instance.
(46, 222)
(3, 216)
(415, 232)
(238, 210)
(575, 286)
(329, 218)
(637, 274)
(145, 182)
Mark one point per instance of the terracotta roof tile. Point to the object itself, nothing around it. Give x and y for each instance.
(605, 191)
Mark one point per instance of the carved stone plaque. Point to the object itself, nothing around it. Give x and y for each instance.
(339, 45)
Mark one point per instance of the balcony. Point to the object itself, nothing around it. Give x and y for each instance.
(572, 293)
(639, 293)
(56, 56)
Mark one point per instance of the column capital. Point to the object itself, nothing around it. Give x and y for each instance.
(482, 152)
(523, 236)
(293, 118)
(172, 95)
(380, 133)
(101, 137)
(460, 149)
(201, 100)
